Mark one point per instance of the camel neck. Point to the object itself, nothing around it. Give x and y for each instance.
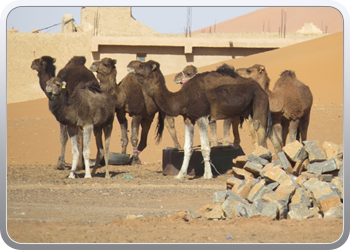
(43, 78)
(58, 105)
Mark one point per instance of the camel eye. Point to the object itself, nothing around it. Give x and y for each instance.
(249, 71)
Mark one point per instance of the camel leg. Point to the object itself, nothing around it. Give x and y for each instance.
(285, 129)
(145, 127)
(235, 126)
(99, 146)
(214, 136)
(107, 129)
(170, 124)
(73, 134)
(135, 125)
(293, 130)
(252, 132)
(303, 126)
(226, 128)
(121, 116)
(63, 139)
(205, 146)
(80, 165)
(188, 149)
(87, 131)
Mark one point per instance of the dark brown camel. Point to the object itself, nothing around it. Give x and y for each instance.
(210, 94)
(184, 76)
(73, 73)
(87, 108)
(129, 98)
(290, 102)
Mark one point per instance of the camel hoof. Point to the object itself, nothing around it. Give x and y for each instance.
(136, 161)
(71, 176)
(87, 176)
(207, 176)
(60, 165)
(226, 143)
(180, 177)
(107, 176)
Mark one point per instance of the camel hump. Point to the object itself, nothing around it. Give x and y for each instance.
(93, 86)
(226, 69)
(48, 59)
(288, 73)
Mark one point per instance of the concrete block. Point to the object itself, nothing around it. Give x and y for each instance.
(333, 150)
(240, 210)
(269, 166)
(338, 183)
(257, 159)
(315, 153)
(322, 167)
(267, 209)
(235, 196)
(285, 163)
(295, 151)
(317, 188)
(326, 177)
(337, 190)
(228, 206)
(301, 196)
(254, 191)
(251, 210)
(263, 153)
(326, 202)
(253, 168)
(285, 192)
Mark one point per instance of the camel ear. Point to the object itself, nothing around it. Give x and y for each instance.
(53, 60)
(261, 69)
(64, 85)
(114, 62)
(154, 66)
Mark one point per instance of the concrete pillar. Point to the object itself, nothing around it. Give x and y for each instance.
(67, 23)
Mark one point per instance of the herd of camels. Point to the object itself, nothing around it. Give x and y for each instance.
(84, 103)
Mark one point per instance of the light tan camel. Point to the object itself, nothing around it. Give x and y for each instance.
(290, 102)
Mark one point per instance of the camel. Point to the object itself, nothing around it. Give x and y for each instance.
(210, 95)
(184, 76)
(88, 109)
(129, 98)
(290, 102)
(73, 73)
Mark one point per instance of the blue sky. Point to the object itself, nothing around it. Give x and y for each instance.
(161, 19)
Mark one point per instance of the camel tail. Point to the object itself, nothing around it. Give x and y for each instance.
(268, 123)
(160, 127)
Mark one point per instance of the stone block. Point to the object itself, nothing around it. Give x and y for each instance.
(326, 202)
(269, 166)
(333, 150)
(285, 163)
(275, 175)
(240, 161)
(338, 183)
(295, 151)
(244, 188)
(299, 211)
(282, 209)
(326, 177)
(336, 190)
(317, 188)
(257, 159)
(298, 167)
(301, 179)
(273, 185)
(235, 196)
(232, 182)
(219, 196)
(335, 212)
(215, 213)
(251, 210)
(240, 210)
(240, 173)
(285, 192)
(322, 167)
(288, 181)
(315, 153)
(267, 209)
(253, 192)
(263, 153)
(340, 173)
(301, 196)
(253, 168)
(228, 206)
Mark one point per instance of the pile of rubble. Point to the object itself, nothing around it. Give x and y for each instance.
(304, 181)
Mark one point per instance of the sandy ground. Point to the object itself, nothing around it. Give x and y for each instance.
(44, 206)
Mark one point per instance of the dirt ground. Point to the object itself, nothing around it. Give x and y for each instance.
(44, 206)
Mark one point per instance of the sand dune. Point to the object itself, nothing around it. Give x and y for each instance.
(327, 19)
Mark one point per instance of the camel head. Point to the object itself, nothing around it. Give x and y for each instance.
(143, 70)
(104, 67)
(186, 74)
(42, 63)
(54, 86)
(257, 73)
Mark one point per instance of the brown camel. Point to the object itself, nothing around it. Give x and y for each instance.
(184, 76)
(88, 109)
(73, 73)
(290, 102)
(210, 95)
(129, 98)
